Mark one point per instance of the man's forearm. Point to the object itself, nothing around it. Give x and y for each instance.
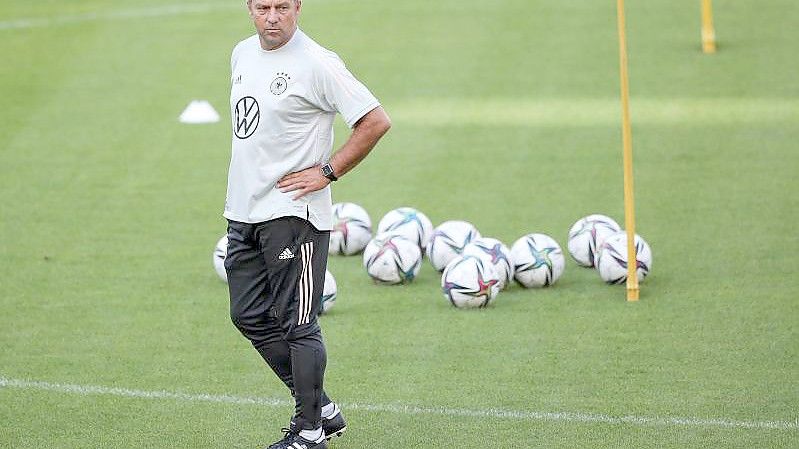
(365, 135)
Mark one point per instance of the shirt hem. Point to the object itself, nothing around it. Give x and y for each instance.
(280, 214)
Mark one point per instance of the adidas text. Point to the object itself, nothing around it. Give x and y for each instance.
(286, 254)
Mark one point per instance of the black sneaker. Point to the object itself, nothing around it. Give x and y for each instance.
(293, 440)
(283, 443)
(334, 426)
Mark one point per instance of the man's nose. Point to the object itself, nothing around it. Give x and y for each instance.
(272, 16)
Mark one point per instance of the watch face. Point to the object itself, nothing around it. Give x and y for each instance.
(327, 172)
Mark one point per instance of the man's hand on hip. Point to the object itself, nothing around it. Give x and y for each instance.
(303, 182)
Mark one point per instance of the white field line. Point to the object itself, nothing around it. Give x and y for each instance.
(155, 11)
(569, 417)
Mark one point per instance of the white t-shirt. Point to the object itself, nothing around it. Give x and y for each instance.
(283, 103)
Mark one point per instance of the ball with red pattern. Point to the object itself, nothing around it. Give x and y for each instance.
(352, 229)
(392, 259)
(469, 282)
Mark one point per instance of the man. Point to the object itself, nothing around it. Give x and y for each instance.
(285, 92)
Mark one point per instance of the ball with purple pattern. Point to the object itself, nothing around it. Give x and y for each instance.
(329, 293)
(586, 236)
(409, 223)
(448, 241)
(494, 253)
(612, 260)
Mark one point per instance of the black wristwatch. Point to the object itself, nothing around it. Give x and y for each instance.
(327, 172)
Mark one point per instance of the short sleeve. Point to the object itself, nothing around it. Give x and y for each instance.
(335, 89)
(234, 57)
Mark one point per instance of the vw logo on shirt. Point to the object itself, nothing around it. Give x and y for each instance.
(246, 117)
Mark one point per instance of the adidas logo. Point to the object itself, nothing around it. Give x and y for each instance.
(286, 254)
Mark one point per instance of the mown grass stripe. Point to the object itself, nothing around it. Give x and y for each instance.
(137, 13)
(542, 112)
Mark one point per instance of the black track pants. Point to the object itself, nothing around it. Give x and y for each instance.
(276, 273)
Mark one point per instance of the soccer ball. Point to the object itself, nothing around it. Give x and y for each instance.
(448, 241)
(328, 293)
(537, 259)
(392, 259)
(495, 253)
(587, 235)
(612, 259)
(218, 258)
(469, 282)
(352, 229)
(409, 223)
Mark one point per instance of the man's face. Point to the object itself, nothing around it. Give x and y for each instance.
(275, 20)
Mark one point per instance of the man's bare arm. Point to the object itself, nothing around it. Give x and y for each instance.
(365, 135)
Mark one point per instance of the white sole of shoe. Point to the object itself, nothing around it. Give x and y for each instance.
(337, 434)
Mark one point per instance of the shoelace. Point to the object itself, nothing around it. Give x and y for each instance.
(287, 432)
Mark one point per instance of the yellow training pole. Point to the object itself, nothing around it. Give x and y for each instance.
(627, 137)
(708, 32)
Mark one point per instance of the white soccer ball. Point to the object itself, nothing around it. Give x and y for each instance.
(494, 253)
(329, 293)
(219, 256)
(448, 241)
(469, 282)
(352, 229)
(392, 259)
(537, 259)
(587, 235)
(612, 259)
(409, 223)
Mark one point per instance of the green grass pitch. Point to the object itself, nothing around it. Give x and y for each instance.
(114, 330)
